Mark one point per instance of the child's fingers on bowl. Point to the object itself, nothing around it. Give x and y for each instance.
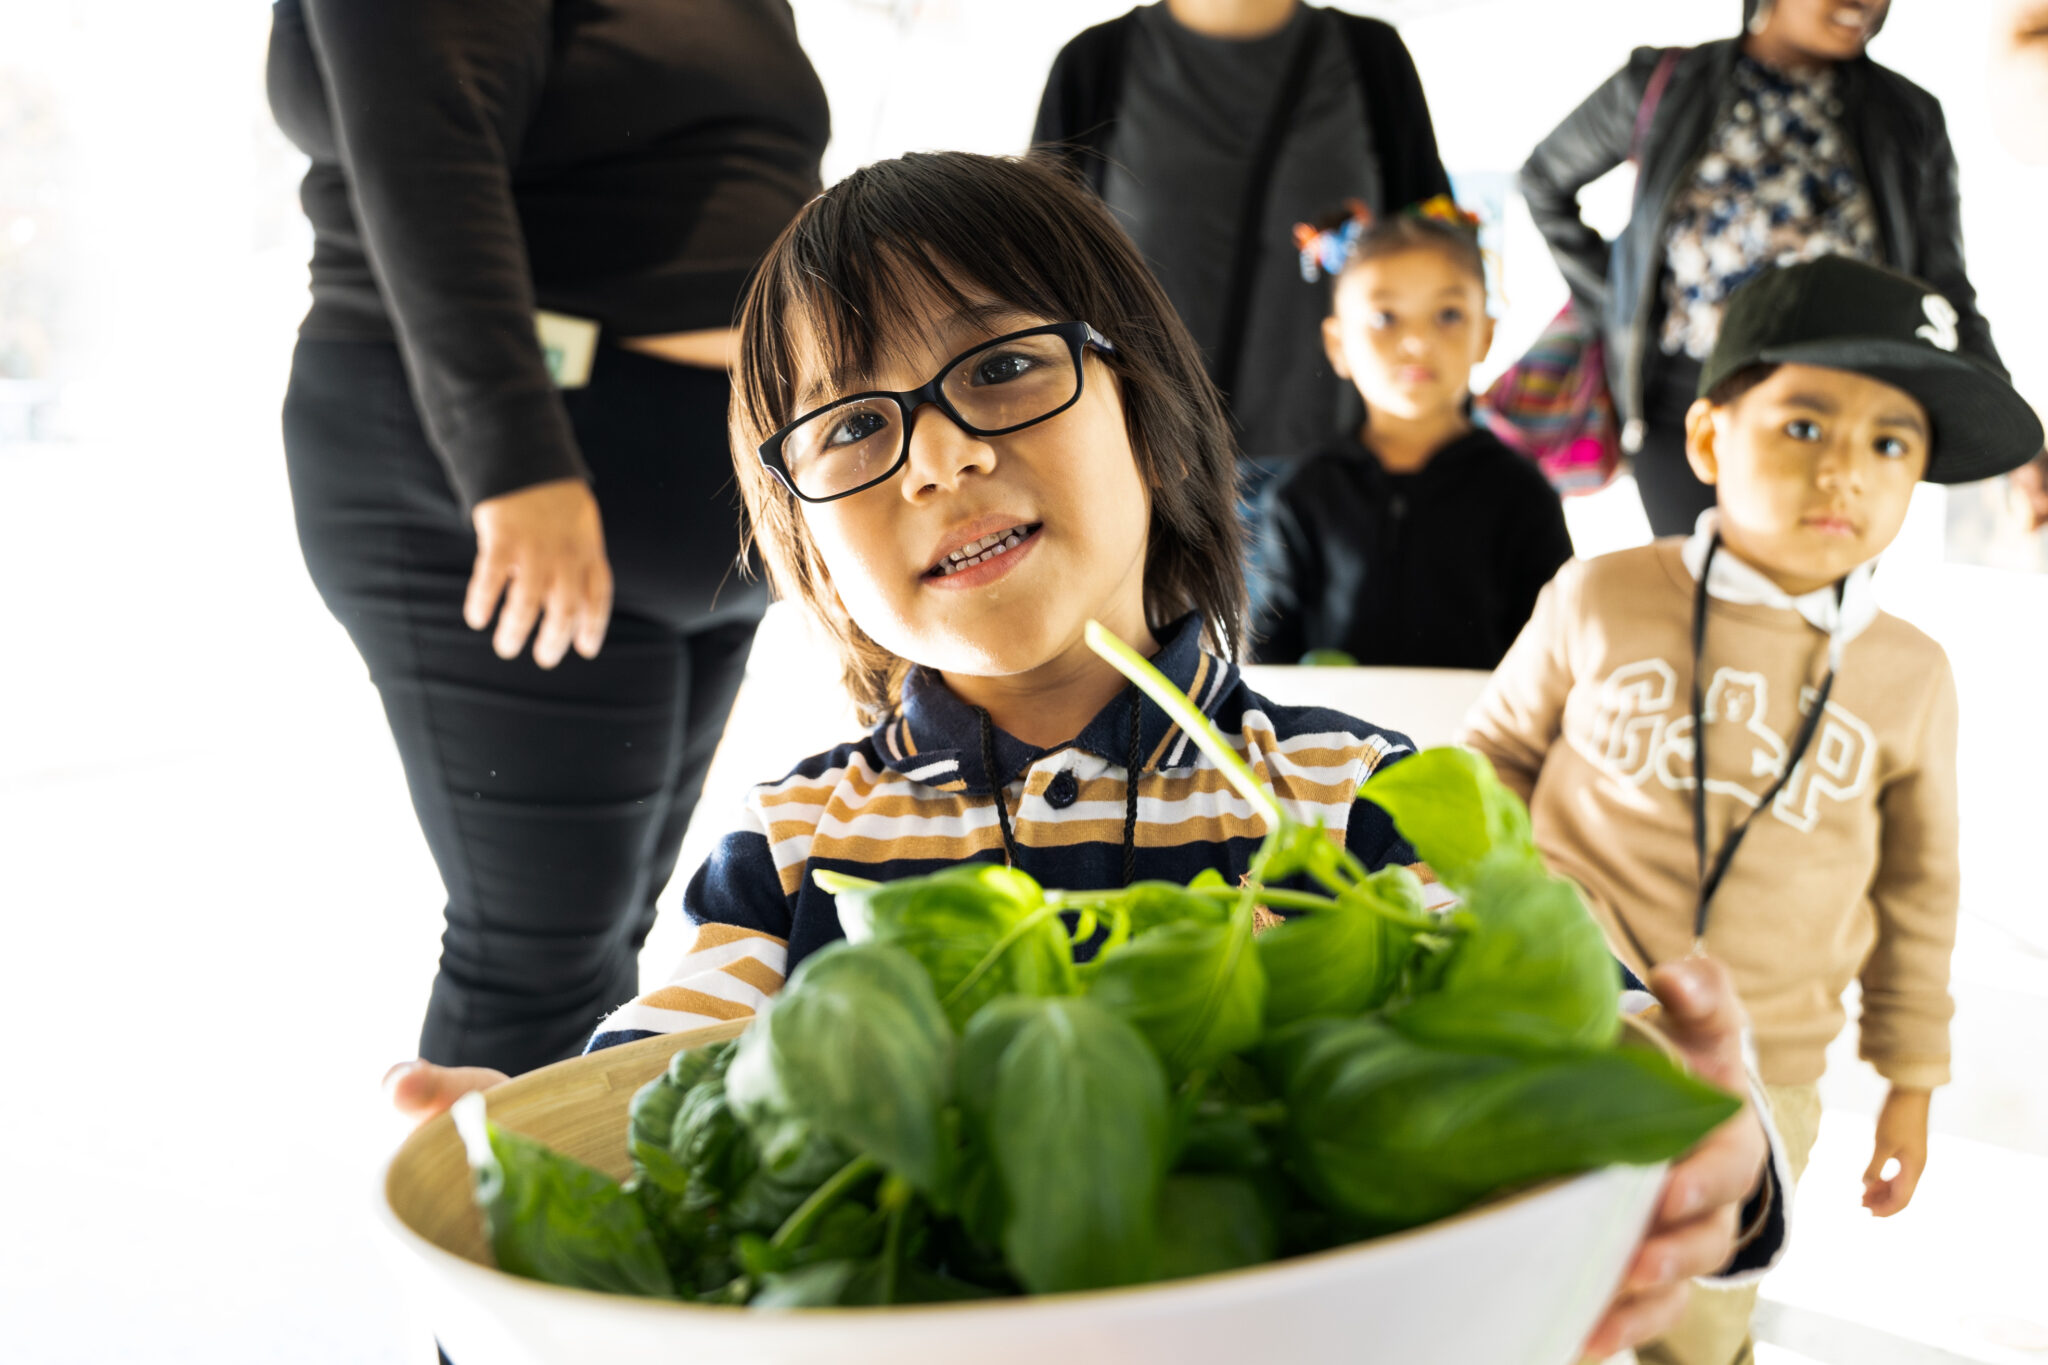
(419, 1090)
(1636, 1318)
(1677, 1253)
(1722, 1171)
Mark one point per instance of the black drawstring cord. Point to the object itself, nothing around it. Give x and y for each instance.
(995, 786)
(1135, 758)
(1131, 792)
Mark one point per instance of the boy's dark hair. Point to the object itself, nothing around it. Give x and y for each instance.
(855, 265)
(1732, 388)
(1411, 232)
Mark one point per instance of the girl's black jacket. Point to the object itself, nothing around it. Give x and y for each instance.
(1435, 569)
(1895, 131)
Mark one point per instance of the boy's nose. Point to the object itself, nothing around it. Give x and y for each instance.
(1839, 467)
(941, 454)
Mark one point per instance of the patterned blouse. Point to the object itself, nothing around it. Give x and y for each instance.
(1777, 184)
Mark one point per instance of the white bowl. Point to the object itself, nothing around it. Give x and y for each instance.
(1520, 1281)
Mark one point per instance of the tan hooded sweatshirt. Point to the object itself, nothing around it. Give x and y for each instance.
(1850, 872)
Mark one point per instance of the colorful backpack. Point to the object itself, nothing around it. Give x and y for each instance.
(1552, 405)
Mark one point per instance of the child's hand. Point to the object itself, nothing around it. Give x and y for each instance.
(1694, 1229)
(420, 1090)
(1901, 1134)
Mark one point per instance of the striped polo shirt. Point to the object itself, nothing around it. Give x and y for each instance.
(914, 796)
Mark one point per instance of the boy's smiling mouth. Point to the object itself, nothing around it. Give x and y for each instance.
(975, 553)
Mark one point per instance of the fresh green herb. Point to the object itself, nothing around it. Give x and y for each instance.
(950, 1106)
(554, 1219)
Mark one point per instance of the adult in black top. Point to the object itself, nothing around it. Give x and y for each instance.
(622, 166)
(1169, 111)
(1897, 195)
(1438, 568)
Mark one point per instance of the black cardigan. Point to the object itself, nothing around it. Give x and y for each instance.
(473, 159)
(1435, 569)
(1078, 111)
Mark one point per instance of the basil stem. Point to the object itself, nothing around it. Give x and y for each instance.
(799, 1223)
(1175, 703)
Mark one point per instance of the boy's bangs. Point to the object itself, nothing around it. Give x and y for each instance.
(863, 264)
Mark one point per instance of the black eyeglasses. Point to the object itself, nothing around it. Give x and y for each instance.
(1000, 386)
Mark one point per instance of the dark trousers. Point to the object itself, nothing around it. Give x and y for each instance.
(553, 801)
(1671, 495)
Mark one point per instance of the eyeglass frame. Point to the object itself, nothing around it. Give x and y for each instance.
(1078, 336)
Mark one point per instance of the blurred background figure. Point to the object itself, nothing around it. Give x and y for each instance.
(1211, 128)
(1780, 145)
(531, 227)
(2019, 102)
(1356, 542)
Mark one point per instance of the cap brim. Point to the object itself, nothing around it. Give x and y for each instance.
(1982, 427)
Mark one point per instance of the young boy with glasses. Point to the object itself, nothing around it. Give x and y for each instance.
(967, 424)
(1726, 743)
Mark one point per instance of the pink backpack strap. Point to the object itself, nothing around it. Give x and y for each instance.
(1653, 95)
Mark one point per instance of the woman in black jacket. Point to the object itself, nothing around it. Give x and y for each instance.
(531, 226)
(1785, 143)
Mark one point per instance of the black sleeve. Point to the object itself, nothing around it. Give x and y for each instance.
(1539, 545)
(1287, 576)
(1398, 125)
(1077, 111)
(430, 101)
(1593, 139)
(1941, 241)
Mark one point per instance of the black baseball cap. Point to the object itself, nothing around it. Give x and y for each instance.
(1845, 314)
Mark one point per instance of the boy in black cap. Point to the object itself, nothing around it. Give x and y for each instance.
(1821, 846)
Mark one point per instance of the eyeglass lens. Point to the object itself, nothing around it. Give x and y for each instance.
(1003, 385)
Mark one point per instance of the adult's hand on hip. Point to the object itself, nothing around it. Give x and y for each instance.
(1694, 1229)
(542, 550)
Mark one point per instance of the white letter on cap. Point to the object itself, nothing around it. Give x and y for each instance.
(1941, 322)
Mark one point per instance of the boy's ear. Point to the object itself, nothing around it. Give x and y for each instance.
(1333, 346)
(1485, 337)
(1701, 451)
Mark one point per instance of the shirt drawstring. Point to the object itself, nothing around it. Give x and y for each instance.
(1134, 758)
(1131, 793)
(996, 785)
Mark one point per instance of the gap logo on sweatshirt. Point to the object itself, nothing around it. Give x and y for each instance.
(1644, 729)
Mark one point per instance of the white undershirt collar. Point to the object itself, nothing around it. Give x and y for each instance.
(1841, 617)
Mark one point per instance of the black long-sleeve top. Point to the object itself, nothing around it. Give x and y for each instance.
(1435, 569)
(625, 161)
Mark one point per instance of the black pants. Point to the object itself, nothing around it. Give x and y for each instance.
(554, 801)
(1672, 497)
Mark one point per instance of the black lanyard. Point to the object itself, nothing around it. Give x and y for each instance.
(1710, 878)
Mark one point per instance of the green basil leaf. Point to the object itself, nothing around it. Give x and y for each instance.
(557, 1220)
(954, 920)
(1340, 961)
(1397, 1133)
(683, 1233)
(1212, 1223)
(707, 1140)
(1197, 991)
(650, 1118)
(1531, 973)
(1071, 1102)
(822, 1285)
(1448, 803)
(857, 1047)
(770, 1194)
(1152, 905)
